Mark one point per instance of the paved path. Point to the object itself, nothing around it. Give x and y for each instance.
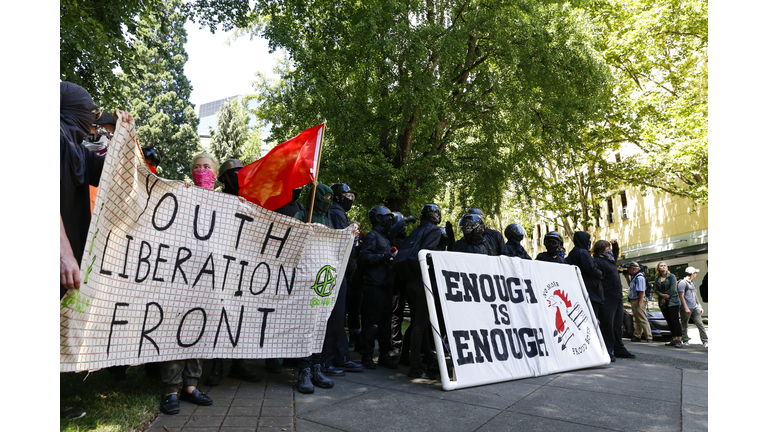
(664, 389)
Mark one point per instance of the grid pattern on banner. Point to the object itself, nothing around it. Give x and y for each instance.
(178, 272)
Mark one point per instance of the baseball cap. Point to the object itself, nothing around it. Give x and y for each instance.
(691, 270)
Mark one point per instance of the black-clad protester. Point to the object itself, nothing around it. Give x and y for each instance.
(397, 236)
(78, 170)
(310, 370)
(228, 176)
(515, 234)
(494, 238)
(552, 243)
(378, 280)
(611, 314)
(474, 241)
(335, 356)
(426, 236)
(590, 273)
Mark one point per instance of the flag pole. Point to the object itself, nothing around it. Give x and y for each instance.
(317, 172)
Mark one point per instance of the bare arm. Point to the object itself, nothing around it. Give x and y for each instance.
(69, 267)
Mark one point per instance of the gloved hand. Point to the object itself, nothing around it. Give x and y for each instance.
(411, 219)
(449, 232)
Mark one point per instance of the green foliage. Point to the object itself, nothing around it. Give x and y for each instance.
(421, 96)
(96, 38)
(158, 93)
(658, 52)
(231, 135)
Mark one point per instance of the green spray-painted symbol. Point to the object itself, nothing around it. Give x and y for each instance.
(325, 281)
(76, 302)
(90, 250)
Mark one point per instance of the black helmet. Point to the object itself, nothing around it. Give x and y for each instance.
(553, 239)
(228, 165)
(431, 212)
(342, 188)
(379, 214)
(476, 211)
(472, 224)
(150, 155)
(514, 232)
(398, 217)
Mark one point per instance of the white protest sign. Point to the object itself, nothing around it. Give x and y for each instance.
(173, 272)
(508, 318)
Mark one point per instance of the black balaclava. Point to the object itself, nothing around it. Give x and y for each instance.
(295, 194)
(231, 184)
(581, 239)
(552, 249)
(75, 119)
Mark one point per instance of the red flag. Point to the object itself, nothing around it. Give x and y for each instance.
(269, 181)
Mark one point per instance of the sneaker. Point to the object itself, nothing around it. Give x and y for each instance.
(635, 339)
(170, 404)
(706, 344)
(626, 354)
(420, 373)
(686, 343)
(679, 344)
(71, 413)
(318, 378)
(304, 385)
(671, 343)
(368, 362)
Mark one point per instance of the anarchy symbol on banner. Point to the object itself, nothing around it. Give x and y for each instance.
(325, 281)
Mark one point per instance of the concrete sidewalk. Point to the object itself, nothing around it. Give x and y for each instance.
(664, 389)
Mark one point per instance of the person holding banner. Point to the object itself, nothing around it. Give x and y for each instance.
(474, 241)
(310, 368)
(590, 272)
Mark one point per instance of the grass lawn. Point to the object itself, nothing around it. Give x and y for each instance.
(107, 408)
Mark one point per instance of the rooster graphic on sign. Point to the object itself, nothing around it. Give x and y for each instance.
(567, 314)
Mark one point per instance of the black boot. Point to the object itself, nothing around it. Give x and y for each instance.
(385, 360)
(367, 362)
(238, 370)
(217, 373)
(273, 365)
(305, 381)
(319, 379)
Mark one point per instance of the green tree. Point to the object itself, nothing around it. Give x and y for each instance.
(658, 52)
(158, 93)
(421, 95)
(230, 137)
(96, 38)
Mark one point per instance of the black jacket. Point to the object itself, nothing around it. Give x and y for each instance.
(515, 249)
(580, 257)
(495, 240)
(374, 259)
(338, 216)
(545, 256)
(481, 248)
(425, 236)
(611, 281)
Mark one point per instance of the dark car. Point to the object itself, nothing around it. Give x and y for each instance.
(659, 326)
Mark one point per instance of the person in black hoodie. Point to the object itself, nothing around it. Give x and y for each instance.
(427, 235)
(397, 236)
(552, 243)
(378, 280)
(590, 273)
(612, 311)
(494, 238)
(335, 356)
(515, 234)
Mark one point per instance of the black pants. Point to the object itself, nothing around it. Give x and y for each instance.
(672, 315)
(376, 317)
(305, 362)
(609, 311)
(398, 309)
(335, 346)
(419, 328)
(353, 302)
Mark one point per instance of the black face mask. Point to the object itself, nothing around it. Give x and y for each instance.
(346, 204)
(474, 236)
(552, 249)
(231, 177)
(295, 194)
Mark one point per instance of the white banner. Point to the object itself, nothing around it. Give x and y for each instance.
(508, 318)
(174, 272)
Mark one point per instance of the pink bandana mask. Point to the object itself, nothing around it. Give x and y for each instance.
(204, 178)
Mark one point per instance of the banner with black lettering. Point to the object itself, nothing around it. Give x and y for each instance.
(173, 271)
(507, 318)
